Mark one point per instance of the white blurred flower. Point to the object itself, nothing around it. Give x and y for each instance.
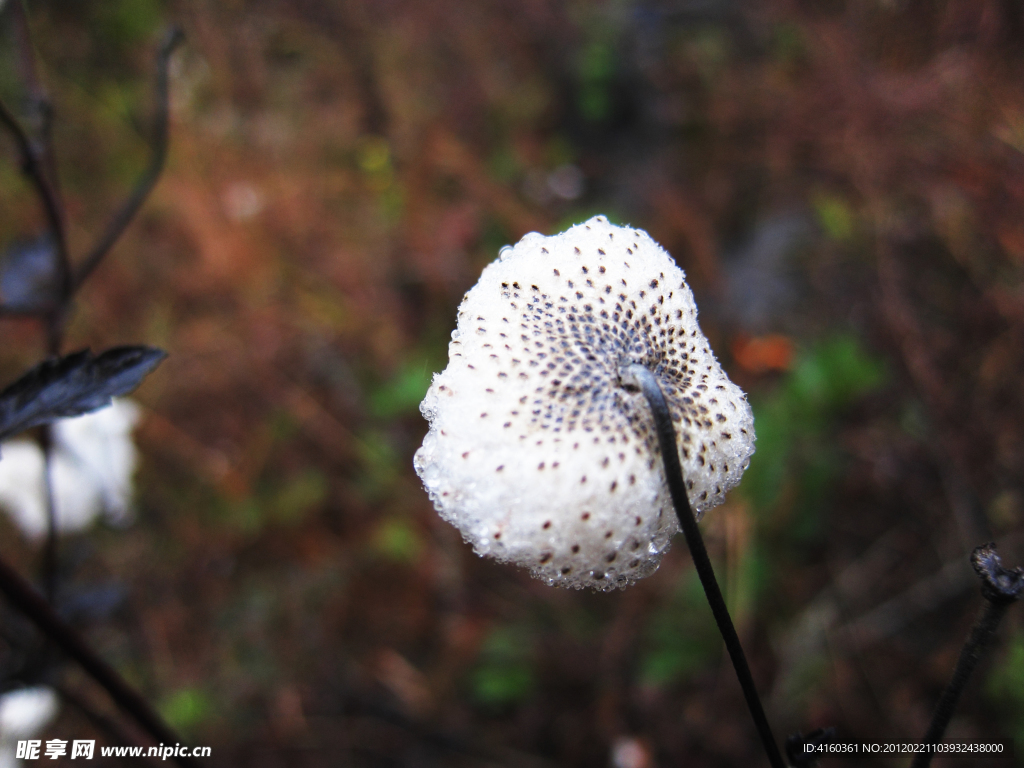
(242, 201)
(94, 459)
(23, 714)
(541, 449)
(628, 752)
(566, 181)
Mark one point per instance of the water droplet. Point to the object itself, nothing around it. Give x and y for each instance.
(431, 476)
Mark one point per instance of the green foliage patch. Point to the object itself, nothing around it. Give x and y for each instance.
(503, 674)
(681, 637)
(795, 422)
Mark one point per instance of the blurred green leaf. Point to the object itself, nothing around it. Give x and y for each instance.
(751, 577)
(503, 165)
(597, 62)
(834, 216)
(681, 637)
(833, 374)
(245, 515)
(788, 43)
(379, 462)
(502, 682)
(503, 674)
(794, 422)
(285, 501)
(397, 540)
(710, 50)
(762, 482)
(126, 23)
(373, 156)
(558, 151)
(596, 68)
(493, 237)
(594, 102)
(297, 496)
(186, 708)
(820, 465)
(1006, 689)
(404, 392)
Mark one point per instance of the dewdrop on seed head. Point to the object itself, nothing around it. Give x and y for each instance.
(541, 449)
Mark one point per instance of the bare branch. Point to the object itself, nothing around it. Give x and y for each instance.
(40, 110)
(32, 604)
(32, 167)
(149, 177)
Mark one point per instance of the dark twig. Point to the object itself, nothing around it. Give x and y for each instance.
(42, 167)
(32, 604)
(39, 109)
(37, 160)
(39, 164)
(50, 549)
(1000, 587)
(108, 726)
(32, 167)
(149, 176)
(674, 476)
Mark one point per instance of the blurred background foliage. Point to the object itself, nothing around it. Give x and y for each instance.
(842, 182)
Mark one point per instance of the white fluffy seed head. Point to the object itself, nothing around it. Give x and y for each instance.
(538, 451)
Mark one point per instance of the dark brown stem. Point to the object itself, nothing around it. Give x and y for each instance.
(149, 176)
(49, 564)
(1000, 587)
(677, 487)
(38, 157)
(32, 166)
(38, 164)
(40, 110)
(108, 726)
(31, 603)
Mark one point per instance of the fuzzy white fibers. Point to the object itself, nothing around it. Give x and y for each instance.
(94, 459)
(539, 452)
(24, 713)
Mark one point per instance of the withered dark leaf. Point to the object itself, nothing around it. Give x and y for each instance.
(72, 385)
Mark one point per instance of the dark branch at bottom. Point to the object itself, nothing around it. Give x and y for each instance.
(1001, 588)
(32, 604)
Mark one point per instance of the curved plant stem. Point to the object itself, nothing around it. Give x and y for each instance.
(36, 146)
(32, 165)
(50, 548)
(147, 180)
(32, 604)
(38, 164)
(674, 475)
(1000, 587)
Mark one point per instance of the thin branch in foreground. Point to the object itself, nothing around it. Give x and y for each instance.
(31, 603)
(40, 109)
(43, 158)
(648, 384)
(49, 564)
(32, 167)
(149, 176)
(107, 725)
(1001, 588)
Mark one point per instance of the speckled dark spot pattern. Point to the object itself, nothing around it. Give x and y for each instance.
(539, 451)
